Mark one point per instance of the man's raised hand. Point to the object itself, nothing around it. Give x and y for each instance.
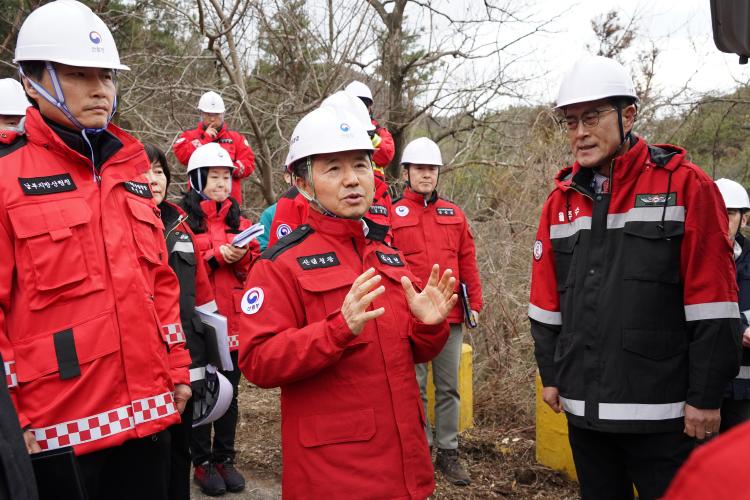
(359, 298)
(433, 304)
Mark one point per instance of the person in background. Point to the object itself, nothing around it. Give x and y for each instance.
(429, 229)
(90, 325)
(331, 316)
(195, 294)
(213, 129)
(13, 104)
(215, 218)
(266, 218)
(735, 408)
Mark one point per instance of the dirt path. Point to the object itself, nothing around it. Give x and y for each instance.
(501, 462)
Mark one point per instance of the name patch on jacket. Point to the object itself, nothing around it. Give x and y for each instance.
(655, 200)
(318, 261)
(390, 259)
(225, 140)
(379, 210)
(50, 184)
(445, 211)
(139, 189)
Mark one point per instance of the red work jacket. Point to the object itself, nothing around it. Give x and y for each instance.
(436, 231)
(292, 208)
(89, 317)
(386, 149)
(227, 279)
(239, 151)
(351, 414)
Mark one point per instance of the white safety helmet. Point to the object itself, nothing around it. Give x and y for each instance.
(734, 194)
(216, 399)
(347, 102)
(67, 32)
(211, 102)
(422, 151)
(593, 78)
(327, 130)
(13, 101)
(359, 89)
(210, 155)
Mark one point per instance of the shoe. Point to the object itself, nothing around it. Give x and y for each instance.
(232, 478)
(209, 480)
(447, 463)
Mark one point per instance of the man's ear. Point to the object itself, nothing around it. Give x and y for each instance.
(405, 173)
(629, 114)
(30, 90)
(301, 183)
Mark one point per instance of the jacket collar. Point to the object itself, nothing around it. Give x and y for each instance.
(412, 195)
(216, 210)
(626, 168)
(336, 227)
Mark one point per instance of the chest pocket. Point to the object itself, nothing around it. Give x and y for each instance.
(450, 233)
(325, 291)
(564, 250)
(147, 231)
(56, 254)
(407, 235)
(651, 254)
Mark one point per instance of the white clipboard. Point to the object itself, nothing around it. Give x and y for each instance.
(219, 324)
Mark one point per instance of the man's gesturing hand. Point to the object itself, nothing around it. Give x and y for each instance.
(359, 298)
(432, 305)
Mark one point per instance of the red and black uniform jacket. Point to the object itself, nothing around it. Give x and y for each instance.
(351, 415)
(633, 296)
(386, 149)
(436, 231)
(239, 151)
(227, 280)
(196, 292)
(90, 325)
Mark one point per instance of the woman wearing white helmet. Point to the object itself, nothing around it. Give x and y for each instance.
(735, 409)
(94, 292)
(13, 104)
(215, 218)
(331, 316)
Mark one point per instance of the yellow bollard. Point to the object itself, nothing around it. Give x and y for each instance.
(552, 445)
(465, 389)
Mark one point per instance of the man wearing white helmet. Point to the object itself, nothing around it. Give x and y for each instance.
(421, 219)
(13, 104)
(633, 302)
(212, 128)
(89, 316)
(331, 316)
(735, 408)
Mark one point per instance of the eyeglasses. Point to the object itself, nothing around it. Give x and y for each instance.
(590, 119)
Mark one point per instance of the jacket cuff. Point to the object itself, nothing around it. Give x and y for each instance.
(181, 374)
(340, 332)
(547, 374)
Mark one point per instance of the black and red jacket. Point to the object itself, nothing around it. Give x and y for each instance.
(633, 297)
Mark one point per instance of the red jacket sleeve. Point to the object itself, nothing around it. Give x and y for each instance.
(183, 147)
(428, 340)
(277, 345)
(386, 149)
(467, 267)
(244, 158)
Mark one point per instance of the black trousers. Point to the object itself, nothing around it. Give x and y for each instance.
(609, 464)
(137, 469)
(179, 475)
(734, 412)
(223, 428)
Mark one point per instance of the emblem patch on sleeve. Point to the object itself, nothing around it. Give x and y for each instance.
(445, 211)
(282, 231)
(390, 259)
(402, 210)
(252, 300)
(318, 261)
(139, 189)
(537, 250)
(50, 184)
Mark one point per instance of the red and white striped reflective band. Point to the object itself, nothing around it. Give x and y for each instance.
(234, 341)
(627, 411)
(10, 374)
(173, 333)
(105, 424)
(711, 310)
(618, 220)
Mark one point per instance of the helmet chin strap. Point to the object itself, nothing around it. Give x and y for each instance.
(58, 100)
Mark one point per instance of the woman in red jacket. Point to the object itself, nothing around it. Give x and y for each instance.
(214, 217)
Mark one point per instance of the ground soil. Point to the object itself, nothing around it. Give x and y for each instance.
(500, 460)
